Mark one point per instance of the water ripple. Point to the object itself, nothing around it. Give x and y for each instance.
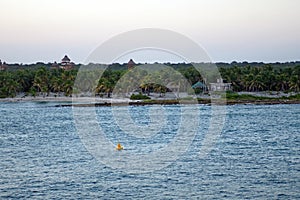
(256, 157)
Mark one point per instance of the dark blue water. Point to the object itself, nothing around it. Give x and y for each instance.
(257, 156)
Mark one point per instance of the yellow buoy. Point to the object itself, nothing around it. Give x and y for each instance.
(119, 147)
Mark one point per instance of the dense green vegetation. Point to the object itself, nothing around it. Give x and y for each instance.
(34, 82)
(234, 97)
(266, 78)
(40, 79)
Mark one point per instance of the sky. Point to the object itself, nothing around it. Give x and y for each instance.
(229, 30)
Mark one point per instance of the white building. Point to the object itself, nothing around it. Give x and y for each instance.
(220, 85)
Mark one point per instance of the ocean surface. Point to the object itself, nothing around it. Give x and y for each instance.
(44, 156)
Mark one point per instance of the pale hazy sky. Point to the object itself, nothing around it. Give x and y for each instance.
(241, 30)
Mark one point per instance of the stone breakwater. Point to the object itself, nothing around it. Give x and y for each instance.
(175, 102)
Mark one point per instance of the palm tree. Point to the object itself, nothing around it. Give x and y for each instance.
(68, 82)
(294, 83)
(41, 80)
(57, 85)
(100, 89)
(11, 87)
(282, 82)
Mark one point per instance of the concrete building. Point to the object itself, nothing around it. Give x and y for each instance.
(220, 85)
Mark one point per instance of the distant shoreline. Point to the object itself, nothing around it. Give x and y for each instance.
(162, 102)
(64, 99)
(97, 102)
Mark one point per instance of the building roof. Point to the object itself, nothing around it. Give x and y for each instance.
(198, 85)
(54, 65)
(66, 59)
(130, 63)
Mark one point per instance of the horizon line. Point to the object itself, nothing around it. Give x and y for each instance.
(156, 62)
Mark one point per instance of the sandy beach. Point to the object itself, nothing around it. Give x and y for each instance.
(168, 99)
(67, 99)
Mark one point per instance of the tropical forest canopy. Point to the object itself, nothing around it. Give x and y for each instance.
(41, 79)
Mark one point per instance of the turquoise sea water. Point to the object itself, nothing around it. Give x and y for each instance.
(257, 155)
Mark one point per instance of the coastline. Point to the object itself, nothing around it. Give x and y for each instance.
(97, 102)
(65, 99)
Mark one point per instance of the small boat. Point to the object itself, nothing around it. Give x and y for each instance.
(119, 147)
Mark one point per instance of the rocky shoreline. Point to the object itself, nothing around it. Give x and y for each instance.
(177, 102)
(96, 102)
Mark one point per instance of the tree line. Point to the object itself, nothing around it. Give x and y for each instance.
(44, 80)
(35, 82)
(266, 78)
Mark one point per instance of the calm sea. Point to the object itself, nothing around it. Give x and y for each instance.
(256, 156)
